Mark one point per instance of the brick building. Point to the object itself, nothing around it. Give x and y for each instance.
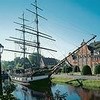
(87, 55)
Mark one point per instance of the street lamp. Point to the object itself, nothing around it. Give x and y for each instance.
(1, 50)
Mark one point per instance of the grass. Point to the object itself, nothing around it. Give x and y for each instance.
(60, 80)
(89, 84)
(92, 84)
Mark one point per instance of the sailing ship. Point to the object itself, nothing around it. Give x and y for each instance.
(41, 75)
(29, 76)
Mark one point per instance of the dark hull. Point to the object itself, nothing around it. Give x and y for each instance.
(33, 83)
(40, 84)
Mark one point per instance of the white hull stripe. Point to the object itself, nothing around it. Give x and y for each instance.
(29, 79)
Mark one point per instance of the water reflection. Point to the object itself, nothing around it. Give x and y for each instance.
(24, 93)
(71, 93)
(56, 92)
(86, 94)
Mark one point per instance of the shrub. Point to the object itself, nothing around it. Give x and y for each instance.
(76, 69)
(8, 88)
(86, 70)
(66, 69)
(97, 69)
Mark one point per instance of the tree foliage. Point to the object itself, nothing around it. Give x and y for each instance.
(66, 69)
(97, 69)
(76, 69)
(17, 63)
(17, 60)
(86, 70)
(47, 61)
(8, 88)
(26, 63)
(8, 65)
(33, 58)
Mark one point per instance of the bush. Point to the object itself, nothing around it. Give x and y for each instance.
(76, 69)
(86, 70)
(8, 89)
(66, 69)
(97, 69)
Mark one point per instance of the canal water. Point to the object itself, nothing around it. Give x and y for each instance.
(56, 92)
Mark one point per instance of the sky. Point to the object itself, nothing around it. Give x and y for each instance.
(68, 22)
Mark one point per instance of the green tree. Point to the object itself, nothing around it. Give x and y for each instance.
(17, 60)
(11, 64)
(76, 69)
(18, 65)
(33, 58)
(66, 68)
(97, 69)
(26, 62)
(8, 88)
(8, 64)
(22, 63)
(86, 70)
(5, 65)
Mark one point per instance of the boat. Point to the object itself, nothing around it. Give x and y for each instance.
(39, 74)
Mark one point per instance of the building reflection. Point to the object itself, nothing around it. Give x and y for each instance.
(86, 94)
(48, 93)
(24, 93)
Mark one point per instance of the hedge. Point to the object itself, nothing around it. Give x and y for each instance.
(86, 70)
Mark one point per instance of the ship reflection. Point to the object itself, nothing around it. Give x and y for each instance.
(55, 92)
(25, 93)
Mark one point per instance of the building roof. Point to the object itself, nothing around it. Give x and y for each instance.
(95, 45)
(91, 48)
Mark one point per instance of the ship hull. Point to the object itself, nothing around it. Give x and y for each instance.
(31, 81)
(40, 85)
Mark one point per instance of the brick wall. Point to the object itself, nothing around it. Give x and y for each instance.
(84, 56)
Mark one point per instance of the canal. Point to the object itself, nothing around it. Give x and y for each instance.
(56, 92)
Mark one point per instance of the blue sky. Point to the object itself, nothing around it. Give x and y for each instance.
(69, 22)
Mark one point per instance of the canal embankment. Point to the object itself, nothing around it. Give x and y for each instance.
(89, 82)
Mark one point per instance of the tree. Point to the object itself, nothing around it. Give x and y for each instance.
(5, 64)
(18, 65)
(22, 63)
(17, 60)
(97, 69)
(8, 64)
(76, 69)
(33, 58)
(66, 68)
(47, 61)
(86, 70)
(8, 88)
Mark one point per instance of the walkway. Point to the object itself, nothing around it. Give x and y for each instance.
(77, 76)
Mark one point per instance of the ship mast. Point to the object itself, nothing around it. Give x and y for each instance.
(30, 30)
(38, 33)
(23, 39)
(37, 29)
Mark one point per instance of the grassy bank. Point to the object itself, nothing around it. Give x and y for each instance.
(92, 84)
(89, 84)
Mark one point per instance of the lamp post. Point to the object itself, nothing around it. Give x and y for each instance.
(1, 50)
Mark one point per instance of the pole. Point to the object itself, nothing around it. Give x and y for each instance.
(37, 29)
(24, 39)
(1, 93)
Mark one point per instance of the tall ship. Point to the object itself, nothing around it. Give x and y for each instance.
(40, 72)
